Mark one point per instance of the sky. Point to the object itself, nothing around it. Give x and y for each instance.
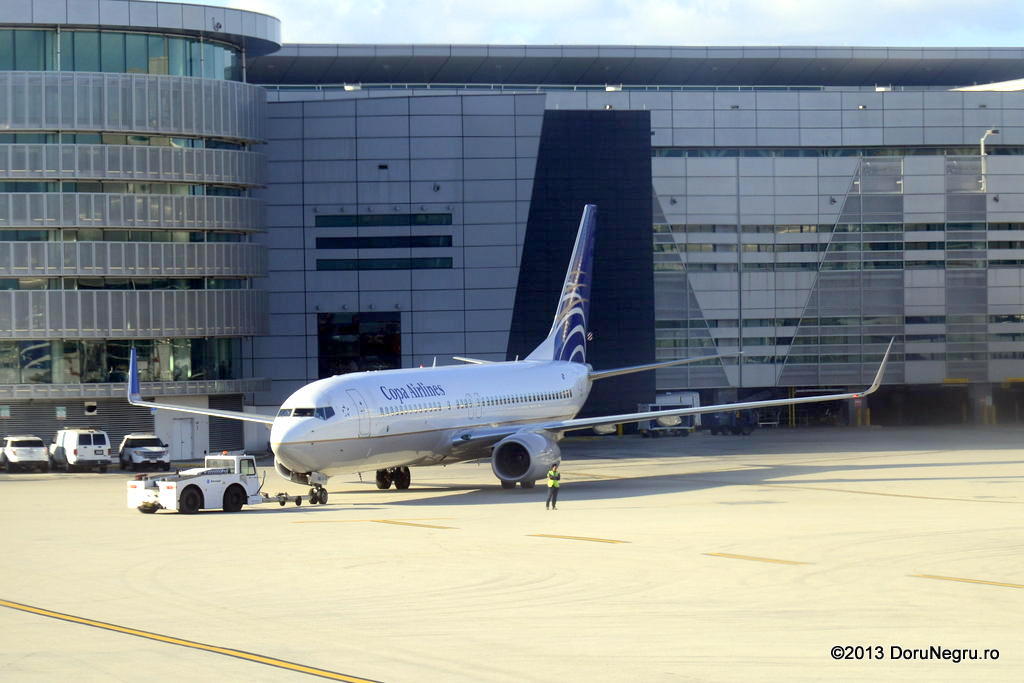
(900, 23)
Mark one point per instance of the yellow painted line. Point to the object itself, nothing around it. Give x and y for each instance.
(395, 521)
(216, 649)
(349, 521)
(576, 475)
(754, 559)
(954, 578)
(578, 538)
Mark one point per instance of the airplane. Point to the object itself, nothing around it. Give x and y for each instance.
(512, 412)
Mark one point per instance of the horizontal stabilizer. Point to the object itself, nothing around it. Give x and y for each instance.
(472, 361)
(601, 374)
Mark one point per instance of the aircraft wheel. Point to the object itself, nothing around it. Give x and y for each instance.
(383, 479)
(403, 478)
(528, 484)
(507, 484)
(314, 496)
(323, 496)
(298, 501)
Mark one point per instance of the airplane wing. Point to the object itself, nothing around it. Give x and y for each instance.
(482, 437)
(582, 423)
(135, 398)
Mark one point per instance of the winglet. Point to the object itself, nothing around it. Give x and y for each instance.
(881, 371)
(133, 378)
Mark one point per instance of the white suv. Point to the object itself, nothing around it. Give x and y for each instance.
(24, 452)
(80, 448)
(143, 449)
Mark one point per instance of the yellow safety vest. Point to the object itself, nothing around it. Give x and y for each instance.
(553, 478)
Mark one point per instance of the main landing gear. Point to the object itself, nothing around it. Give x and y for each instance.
(400, 476)
(318, 494)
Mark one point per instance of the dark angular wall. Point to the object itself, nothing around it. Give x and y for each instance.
(603, 158)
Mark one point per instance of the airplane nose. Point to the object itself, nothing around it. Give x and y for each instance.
(287, 441)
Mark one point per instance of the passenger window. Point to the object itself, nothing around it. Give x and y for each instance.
(85, 439)
(99, 439)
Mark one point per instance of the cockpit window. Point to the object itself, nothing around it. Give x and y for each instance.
(322, 413)
(284, 412)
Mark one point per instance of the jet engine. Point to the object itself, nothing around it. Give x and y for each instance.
(295, 477)
(524, 457)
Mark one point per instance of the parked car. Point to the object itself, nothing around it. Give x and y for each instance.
(74, 449)
(140, 449)
(24, 451)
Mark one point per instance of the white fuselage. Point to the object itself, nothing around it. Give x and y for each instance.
(373, 420)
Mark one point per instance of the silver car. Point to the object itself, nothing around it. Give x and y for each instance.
(137, 450)
(25, 451)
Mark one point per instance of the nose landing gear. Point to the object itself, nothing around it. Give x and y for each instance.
(400, 476)
(318, 494)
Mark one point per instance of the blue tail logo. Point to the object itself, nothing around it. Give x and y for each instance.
(567, 339)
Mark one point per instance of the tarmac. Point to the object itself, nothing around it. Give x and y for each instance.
(853, 554)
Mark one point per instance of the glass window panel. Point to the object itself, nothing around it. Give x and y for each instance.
(112, 52)
(30, 50)
(181, 360)
(157, 55)
(210, 60)
(136, 54)
(67, 51)
(35, 362)
(196, 50)
(10, 368)
(220, 63)
(178, 57)
(67, 362)
(87, 51)
(6, 50)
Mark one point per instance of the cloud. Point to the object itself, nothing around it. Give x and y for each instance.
(648, 22)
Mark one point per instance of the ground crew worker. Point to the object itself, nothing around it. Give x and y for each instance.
(553, 479)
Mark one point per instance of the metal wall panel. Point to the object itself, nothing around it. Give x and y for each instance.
(134, 259)
(126, 163)
(131, 103)
(131, 314)
(142, 211)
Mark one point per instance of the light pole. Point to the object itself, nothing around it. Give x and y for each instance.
(981, 144)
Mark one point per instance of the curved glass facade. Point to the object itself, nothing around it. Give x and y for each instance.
(89, 361)
(125, 215)
(117, 52)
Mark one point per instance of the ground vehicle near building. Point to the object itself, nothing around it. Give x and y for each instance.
(80, 448)
(686, 423)
(24, 451)
(224, 481)
(140, 449)
(734, 422)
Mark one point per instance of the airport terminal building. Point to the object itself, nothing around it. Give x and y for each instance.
(253, 216)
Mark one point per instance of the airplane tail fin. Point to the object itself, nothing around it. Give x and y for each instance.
(567, 339)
